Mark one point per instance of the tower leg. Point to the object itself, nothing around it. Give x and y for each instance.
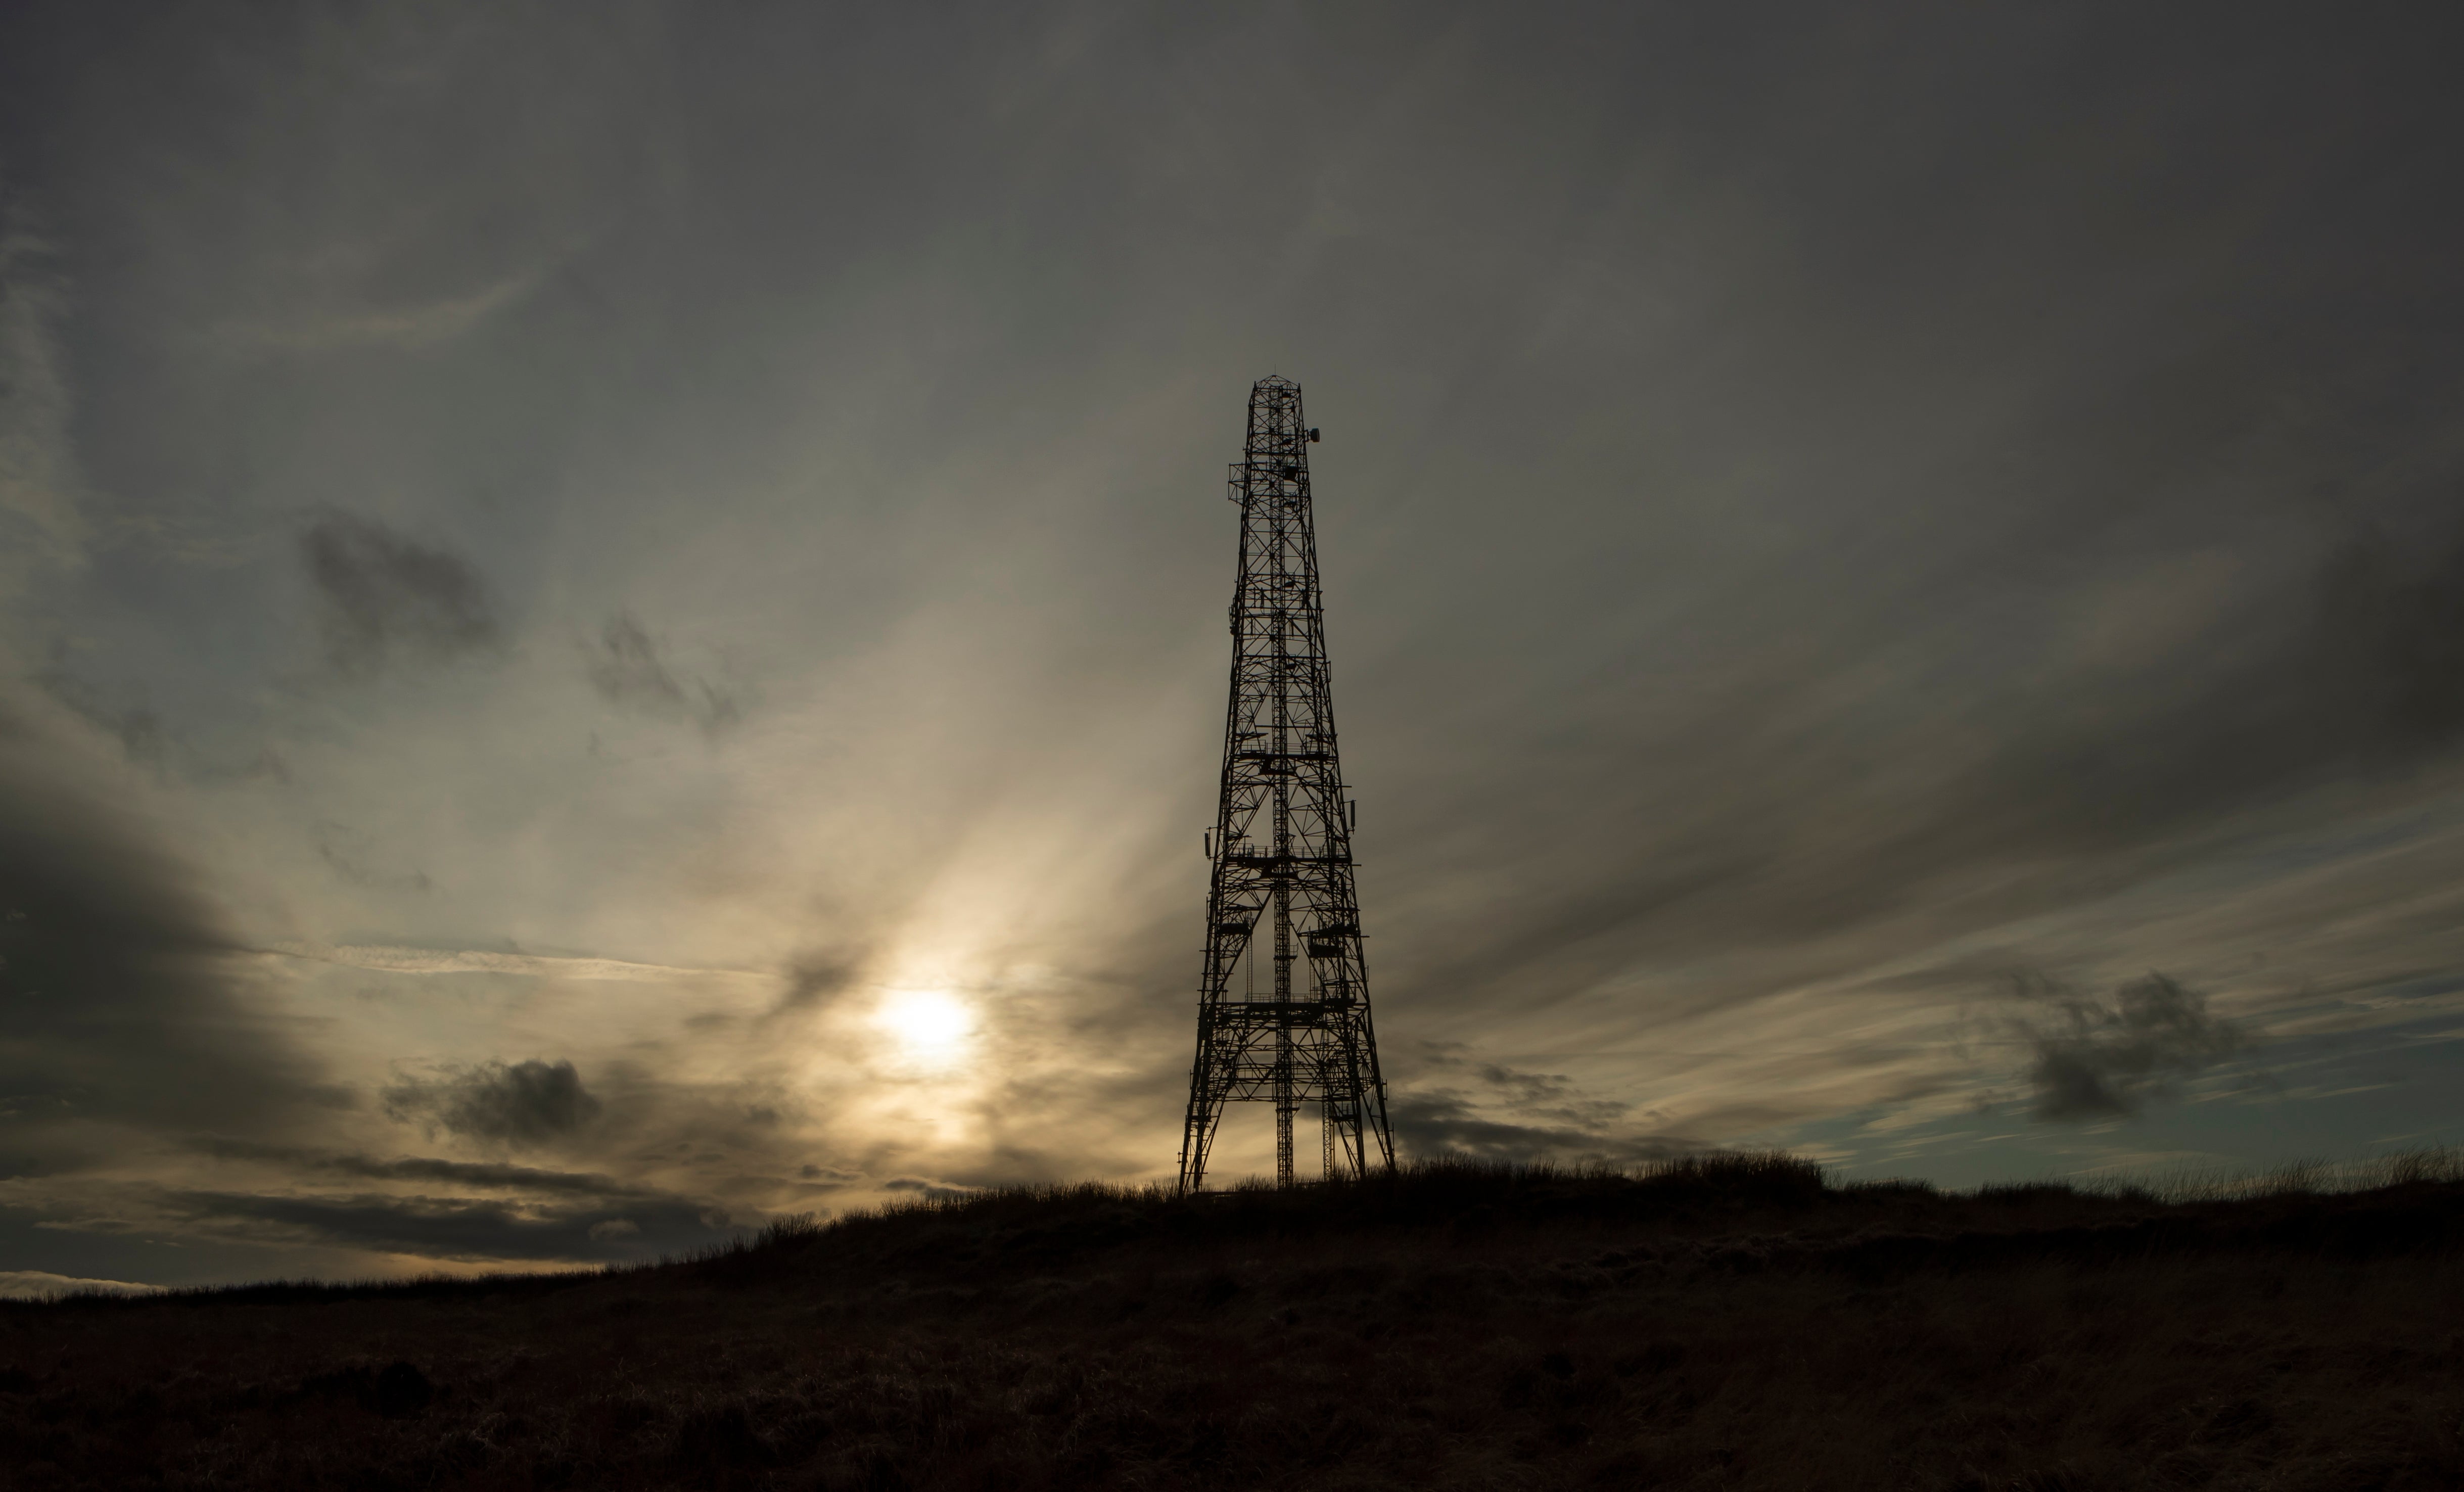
(1283, 1141)
(1285, 1106)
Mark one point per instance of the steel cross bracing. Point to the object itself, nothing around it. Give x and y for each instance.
(1280, 849)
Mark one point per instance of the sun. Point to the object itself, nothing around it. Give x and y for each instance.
(930, 1024)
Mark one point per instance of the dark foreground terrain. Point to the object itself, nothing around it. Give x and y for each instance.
(1731, 1322)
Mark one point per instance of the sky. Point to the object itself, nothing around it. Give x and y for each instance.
(611, 617)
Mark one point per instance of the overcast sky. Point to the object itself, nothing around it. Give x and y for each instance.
(611, 615)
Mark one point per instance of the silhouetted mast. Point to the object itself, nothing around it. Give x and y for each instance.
(1282, 844)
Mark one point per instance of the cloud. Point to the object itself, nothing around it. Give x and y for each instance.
(422, 1167)
(416, 325)
(381, 597)
(465, 960)
(121, 995)
(353, 855)
(2098, 1058)
(40, 480)
(1551, 1096)
(36, 1284)
(525, 1103)
(137, 727)
(625, 669)
(1445, 1122)
(441, 1227)
(1835, 822)
(815, 982)
(1518, 1116)
(1917, 536)
(2389, 649)
(421, 1206)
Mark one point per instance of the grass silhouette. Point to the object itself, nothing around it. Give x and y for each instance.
(1732, 1321)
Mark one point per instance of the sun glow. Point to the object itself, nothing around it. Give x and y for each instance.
(933, 1025)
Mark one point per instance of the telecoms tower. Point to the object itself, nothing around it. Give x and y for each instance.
(1281, 845)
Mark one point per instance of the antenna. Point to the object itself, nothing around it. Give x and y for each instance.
(1309, 1040)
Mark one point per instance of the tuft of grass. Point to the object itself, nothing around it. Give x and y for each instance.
(2181, 1186)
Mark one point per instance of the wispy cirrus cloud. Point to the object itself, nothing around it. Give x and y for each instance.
(408, 325)
(389, 959)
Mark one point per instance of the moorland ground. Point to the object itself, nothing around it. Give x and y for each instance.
(1724, 1323)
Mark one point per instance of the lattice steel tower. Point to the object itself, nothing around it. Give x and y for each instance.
(1281, 845)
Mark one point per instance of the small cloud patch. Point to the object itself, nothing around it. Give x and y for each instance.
(523, 1102)
(625, 669)
(2106, 1059)
(382, 599)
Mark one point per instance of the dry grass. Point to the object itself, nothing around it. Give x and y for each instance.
(2298, 1177)
(1728, 1321)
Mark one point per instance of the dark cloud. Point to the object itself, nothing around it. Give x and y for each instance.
(627, 670)
(813, 982)
(419, 1168)
(525, 1103)
(381, 597)
(121, 991)
(1550, 1096)
(1517, 1116)
(1443, 1122)
(2106, 1059)
(562, 1214)
(449, 1227)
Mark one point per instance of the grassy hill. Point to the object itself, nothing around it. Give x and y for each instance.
(1729, 1322)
